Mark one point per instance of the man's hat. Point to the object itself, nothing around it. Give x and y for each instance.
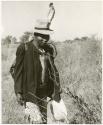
(42, 27)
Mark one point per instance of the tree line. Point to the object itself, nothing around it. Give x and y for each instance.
(13, 40)
(24, 38)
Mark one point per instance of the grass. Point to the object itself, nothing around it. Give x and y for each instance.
(79, 64)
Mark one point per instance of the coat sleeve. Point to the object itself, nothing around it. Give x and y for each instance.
(53, 72)
(18, 72)
(51, 49)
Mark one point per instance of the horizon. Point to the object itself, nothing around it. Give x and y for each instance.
(84, 18)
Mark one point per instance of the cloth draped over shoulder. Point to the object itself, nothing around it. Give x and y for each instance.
(28, 71)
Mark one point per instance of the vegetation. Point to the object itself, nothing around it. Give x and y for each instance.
(8, 40)
(79, 62)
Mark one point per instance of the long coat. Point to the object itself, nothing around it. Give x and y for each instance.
(27, 75)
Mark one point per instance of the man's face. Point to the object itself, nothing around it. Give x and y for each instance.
(41, 41)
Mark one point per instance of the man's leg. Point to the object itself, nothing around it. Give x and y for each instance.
(32, 113)
(42, 103)
(43, 109)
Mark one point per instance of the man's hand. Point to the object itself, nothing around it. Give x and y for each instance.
(56, 97)
(19, 99)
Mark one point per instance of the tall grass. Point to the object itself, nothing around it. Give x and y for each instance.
(79, 65)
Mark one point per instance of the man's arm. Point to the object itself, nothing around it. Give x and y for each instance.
(18, 72)
(51, 49)
(52, 14)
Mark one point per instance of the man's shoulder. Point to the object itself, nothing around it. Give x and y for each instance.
(25, 45)
(21, 46)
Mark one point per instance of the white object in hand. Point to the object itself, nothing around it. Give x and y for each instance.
(59, 110)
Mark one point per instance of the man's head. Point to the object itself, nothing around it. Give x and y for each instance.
(42, 32)
(41, 38)
(51, 4)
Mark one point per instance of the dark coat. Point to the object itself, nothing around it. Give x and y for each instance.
(27, 74)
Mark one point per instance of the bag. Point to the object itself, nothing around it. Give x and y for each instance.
(59, 110)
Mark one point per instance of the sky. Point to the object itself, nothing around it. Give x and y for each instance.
(72, 18)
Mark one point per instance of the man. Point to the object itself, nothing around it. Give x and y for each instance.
(51, 14)
(32, 86)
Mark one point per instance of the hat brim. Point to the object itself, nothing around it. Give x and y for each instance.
(45, 32)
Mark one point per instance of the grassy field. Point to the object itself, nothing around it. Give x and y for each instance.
(80, 66)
